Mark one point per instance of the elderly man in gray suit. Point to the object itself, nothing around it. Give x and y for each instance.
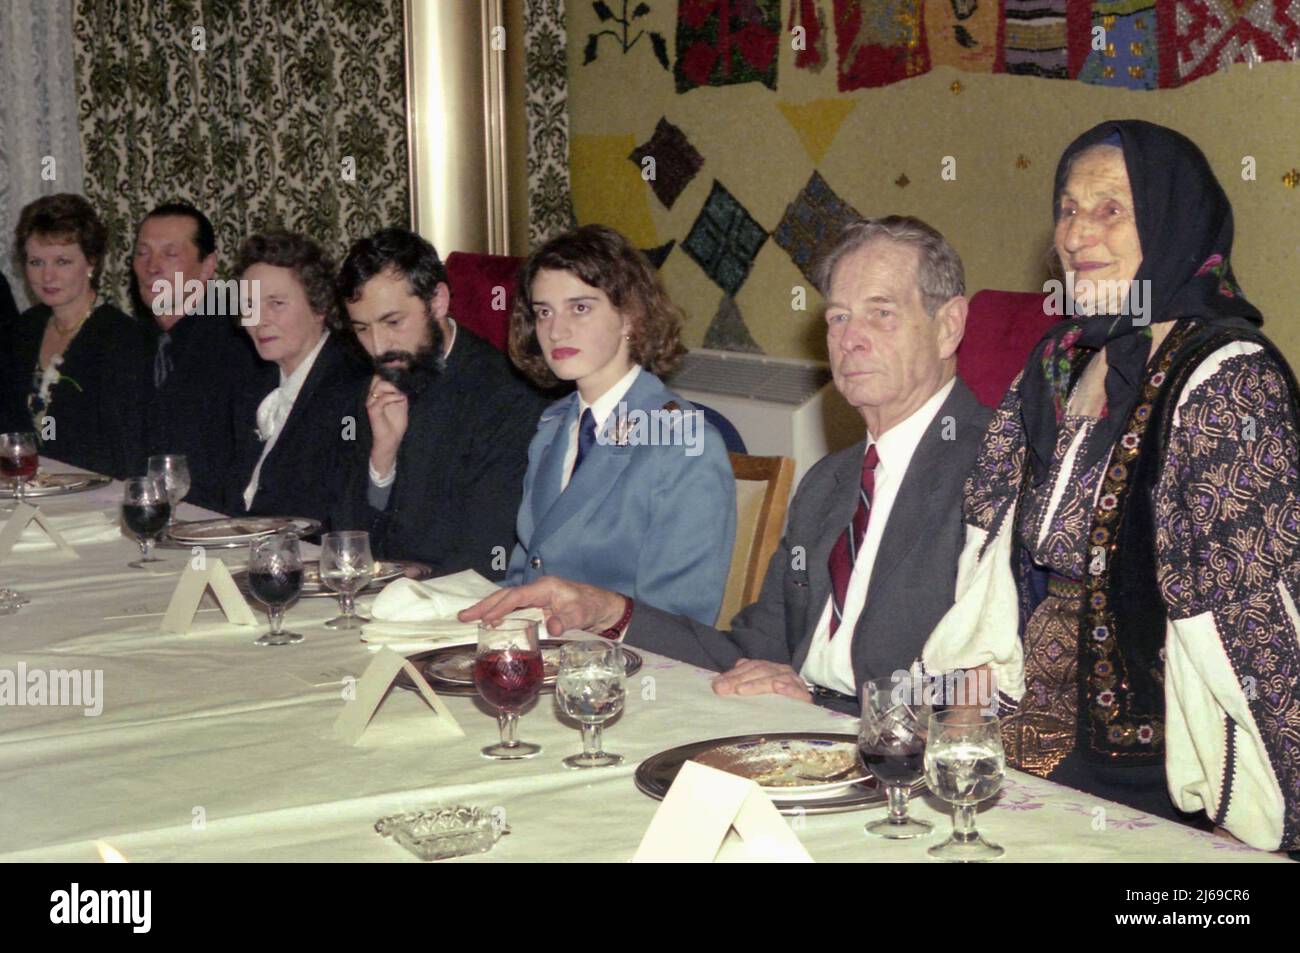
(868, 563)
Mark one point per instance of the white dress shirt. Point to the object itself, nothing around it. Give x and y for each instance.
(274, 410)
(601, 408)
(830, 661)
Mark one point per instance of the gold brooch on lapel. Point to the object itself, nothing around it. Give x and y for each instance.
(622, 434)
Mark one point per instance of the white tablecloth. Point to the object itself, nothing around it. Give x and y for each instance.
(212, 748)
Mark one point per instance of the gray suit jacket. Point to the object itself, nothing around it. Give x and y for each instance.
(912, 581)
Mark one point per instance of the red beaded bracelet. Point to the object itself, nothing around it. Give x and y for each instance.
(616, 630)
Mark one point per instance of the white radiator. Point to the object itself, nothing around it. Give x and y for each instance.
(781, 407)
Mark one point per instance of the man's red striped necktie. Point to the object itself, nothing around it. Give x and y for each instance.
(845, 551)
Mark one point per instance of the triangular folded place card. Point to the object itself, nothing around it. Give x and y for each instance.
(370, 690)
(189, 591)
(699, 810)
(23, 516)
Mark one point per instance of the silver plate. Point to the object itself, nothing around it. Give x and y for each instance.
(429, 662)
(229, 532)
(655, 775)
(55, 484)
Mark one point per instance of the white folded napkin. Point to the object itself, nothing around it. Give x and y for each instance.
(79, 529)
(408, 612)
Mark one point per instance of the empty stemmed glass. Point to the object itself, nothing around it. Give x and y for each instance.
(589, 688)
(174, 472)
(18, 460)
(145, 509)
(508, 674)
(347, 567)
(964, 764)
(891, 742)
(275, 579)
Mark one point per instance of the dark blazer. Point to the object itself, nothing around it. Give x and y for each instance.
(460, 468)
(913, 579)
(193, 413)
(8, 313)
(300, 474)
(96, 405)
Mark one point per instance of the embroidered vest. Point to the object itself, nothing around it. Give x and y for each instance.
(1121, 702)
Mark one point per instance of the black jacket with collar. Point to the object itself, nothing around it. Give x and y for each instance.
(193, 413)
(95, 408)
(460, 467)
(299, 477)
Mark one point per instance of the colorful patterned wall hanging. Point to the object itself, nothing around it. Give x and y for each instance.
(1146, 44)
(620, 29)
(725, 239)
(811, 223)
(878, 42)
(963, 33)
(809, 15)
(1129, 58)
(816, 123)
(675, 160)
(728, 331)
(723, 42)
(1213, 34)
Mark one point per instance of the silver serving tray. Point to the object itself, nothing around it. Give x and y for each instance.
(190, 531)
(55, 484)
(425, 660)
(655, 775)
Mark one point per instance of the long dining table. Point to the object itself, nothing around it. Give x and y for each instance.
(211, 748)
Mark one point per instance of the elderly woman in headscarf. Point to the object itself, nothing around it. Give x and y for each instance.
(1131, 573)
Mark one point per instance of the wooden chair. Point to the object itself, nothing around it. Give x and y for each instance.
(762, 494)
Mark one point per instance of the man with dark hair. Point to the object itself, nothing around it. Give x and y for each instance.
(200, 361)
(442, 444)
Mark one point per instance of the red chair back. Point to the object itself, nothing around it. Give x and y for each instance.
(1001, 329)
(483, 293)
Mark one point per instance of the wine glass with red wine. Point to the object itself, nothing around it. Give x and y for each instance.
(275, 579)
(18, 459)
(891, 743)
(508, 674)
(145, 510)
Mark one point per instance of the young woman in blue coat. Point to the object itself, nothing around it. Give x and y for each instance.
(627, 487)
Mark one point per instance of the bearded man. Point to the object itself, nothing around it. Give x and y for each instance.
(442, 445)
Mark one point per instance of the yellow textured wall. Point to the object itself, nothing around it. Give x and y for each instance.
(995, 213)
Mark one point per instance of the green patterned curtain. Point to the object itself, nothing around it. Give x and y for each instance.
(260, 112)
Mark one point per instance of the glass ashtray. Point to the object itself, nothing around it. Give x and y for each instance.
(443, 832)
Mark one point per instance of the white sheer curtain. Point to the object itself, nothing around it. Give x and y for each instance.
(40, 147)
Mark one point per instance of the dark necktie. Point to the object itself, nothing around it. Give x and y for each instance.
(845, 551)
(586, 438)
(162, 360)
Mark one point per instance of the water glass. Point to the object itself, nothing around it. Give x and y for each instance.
(174, 472)
(346, 567)
(964, 765)
(589, 689)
